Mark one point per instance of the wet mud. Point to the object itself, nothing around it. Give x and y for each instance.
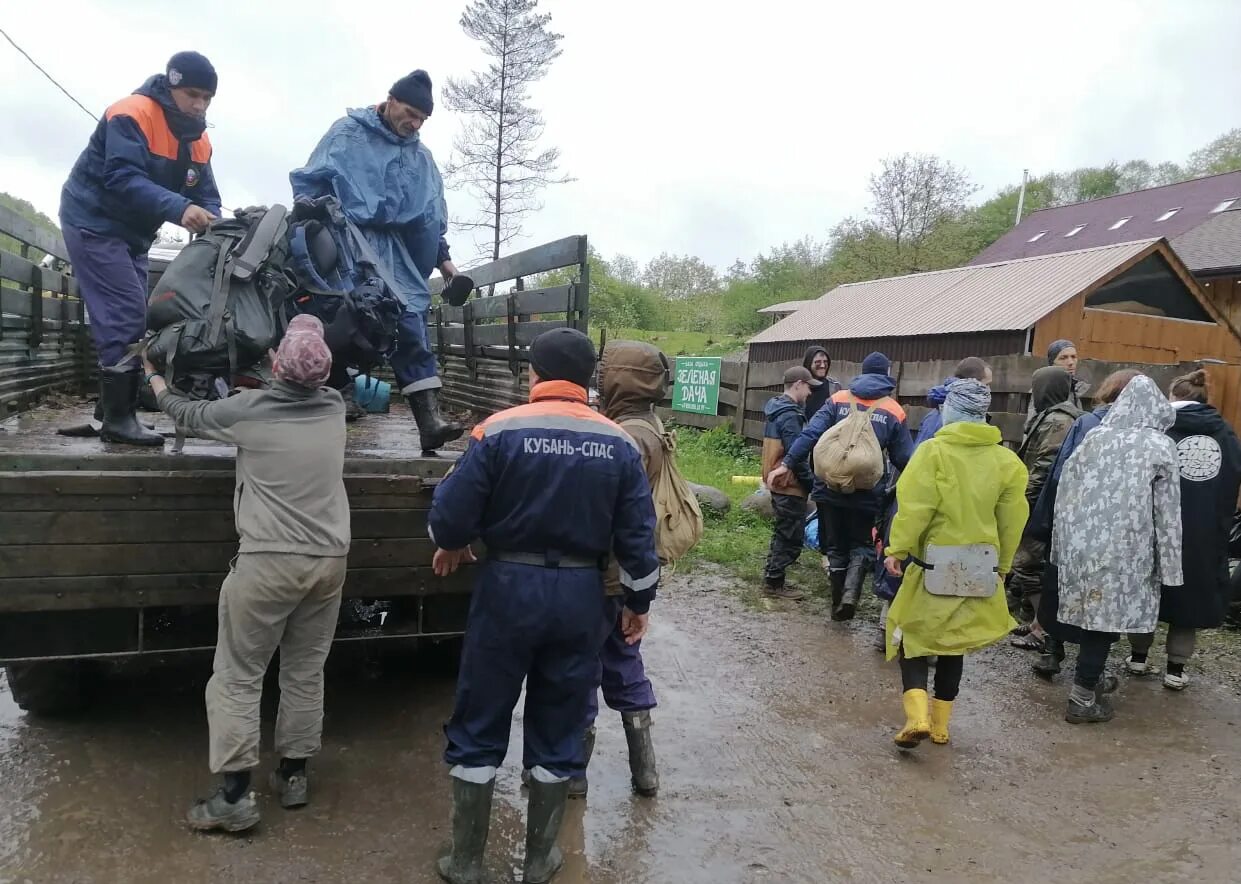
(774, 733)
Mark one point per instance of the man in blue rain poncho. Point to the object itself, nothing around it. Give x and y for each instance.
(373, 161)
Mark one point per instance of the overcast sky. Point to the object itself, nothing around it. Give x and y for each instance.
(710, 128)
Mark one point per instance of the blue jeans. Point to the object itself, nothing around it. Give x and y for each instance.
(413, 362)
(113, 283)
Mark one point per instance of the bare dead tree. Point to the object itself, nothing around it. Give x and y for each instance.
(496, 155)
(912, 195)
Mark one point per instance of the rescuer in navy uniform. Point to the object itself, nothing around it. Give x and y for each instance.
(147, 163)
(551, 488)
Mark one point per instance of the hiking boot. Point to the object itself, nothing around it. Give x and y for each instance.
(782, 591)
(293, 792)
(471, 821)
(118, 396)
(917, 719)
(1138, 667)
(838, 590)
(1096, 713)
(642, 771)
(1108, 684)
(578, 786)
(544, 814)
(941, 713)
(433, 430)
(217, 812)
(1048, 665)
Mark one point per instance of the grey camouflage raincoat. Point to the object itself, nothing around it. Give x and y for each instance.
(1117, 531)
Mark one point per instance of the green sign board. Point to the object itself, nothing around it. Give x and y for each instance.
(696, 386)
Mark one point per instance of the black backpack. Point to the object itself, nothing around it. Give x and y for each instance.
(359, 326)
(339, 280)
(218, 308)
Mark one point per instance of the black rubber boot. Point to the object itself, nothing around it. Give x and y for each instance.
(99, 412)
(353, 411)
(545, 813)
(471, 820)
(838, 591)
(642, 770)
(854, 578)
(433, 430)
(578, 786)
(118, 394)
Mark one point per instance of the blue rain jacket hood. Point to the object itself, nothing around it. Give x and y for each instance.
(872, 386)
(390, 187)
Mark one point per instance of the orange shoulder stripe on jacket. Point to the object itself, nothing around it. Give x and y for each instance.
(149, 116)
(887, 403)
(200, 150)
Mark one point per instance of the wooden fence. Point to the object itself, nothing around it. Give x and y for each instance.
(44, 344)
(484, 346)
(746, 386)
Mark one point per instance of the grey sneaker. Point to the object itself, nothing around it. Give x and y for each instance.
(217, 812)
(293, 792)
(1175, 682)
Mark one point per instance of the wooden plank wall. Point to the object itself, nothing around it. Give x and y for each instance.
(484, 346)
(83, 540)
(1151, 341)
(44, 340)
(1225, 293)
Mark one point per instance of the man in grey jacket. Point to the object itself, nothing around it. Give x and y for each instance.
(284, 588)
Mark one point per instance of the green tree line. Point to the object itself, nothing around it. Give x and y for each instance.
(30, 213)
(922, 216)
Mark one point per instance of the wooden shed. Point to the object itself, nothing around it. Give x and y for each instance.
(1128, 302)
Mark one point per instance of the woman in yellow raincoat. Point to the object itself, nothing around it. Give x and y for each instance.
(961, 508)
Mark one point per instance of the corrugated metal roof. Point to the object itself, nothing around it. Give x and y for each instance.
(1005, 296)
(786, 307)
(1195, 201)
(1212, 245)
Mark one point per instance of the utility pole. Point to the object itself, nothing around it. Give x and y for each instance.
(1021, 197)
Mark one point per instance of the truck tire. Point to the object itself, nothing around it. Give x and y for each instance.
(52, 688)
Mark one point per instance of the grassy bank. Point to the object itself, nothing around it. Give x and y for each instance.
(737, 540)
(678, 343)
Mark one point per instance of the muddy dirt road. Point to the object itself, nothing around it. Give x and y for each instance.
(776, 759)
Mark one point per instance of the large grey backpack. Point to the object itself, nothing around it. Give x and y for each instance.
(219, 307)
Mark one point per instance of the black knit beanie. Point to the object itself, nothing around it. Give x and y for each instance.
(190, 70)
(414, 90)
(563, 354)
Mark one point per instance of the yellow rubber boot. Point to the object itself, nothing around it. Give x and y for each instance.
(941, 711)
(917, 720)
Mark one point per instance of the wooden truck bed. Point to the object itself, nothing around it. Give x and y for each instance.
(109, 550)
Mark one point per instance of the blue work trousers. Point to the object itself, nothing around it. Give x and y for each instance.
(113, 283)
(540, 625)
(413, 362)
(620, 673)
